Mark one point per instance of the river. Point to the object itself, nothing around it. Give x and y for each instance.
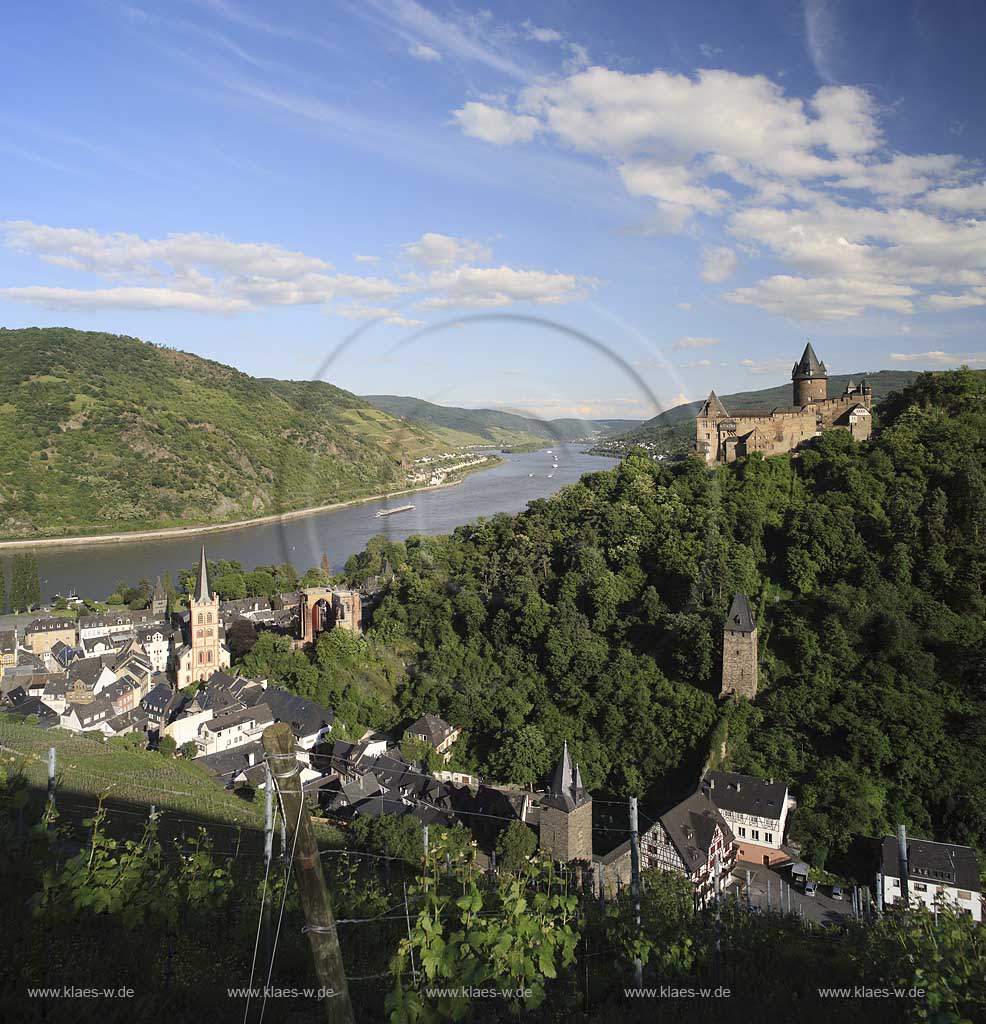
(94, 571)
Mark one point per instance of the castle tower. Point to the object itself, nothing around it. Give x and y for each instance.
(159, 600)
(739, 651)
(566, 815)
(206, 651)
(810, 379)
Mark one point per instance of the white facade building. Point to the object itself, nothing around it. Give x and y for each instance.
(756, 811)
(936, 872)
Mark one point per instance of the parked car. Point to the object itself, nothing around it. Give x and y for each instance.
(811, 888)
(837, 892)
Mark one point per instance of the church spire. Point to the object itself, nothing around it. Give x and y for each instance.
(202, 592)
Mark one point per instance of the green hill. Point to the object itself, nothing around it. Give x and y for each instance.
(492, 425)
(104, 433)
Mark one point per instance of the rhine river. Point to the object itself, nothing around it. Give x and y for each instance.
(94, 571)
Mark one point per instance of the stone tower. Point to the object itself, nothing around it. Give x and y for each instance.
(566, 815)
(810, 379)
(739, 651)
(208, 653)
(159, 600)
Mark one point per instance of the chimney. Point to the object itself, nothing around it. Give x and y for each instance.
(251, 758)
(902, 860)
(712, 783)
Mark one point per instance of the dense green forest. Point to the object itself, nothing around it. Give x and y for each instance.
(596, 616)
(100, 432)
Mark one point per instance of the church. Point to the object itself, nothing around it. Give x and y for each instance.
(720, 437)
(205, 651)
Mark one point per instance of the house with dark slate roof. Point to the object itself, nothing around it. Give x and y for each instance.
(436, 732)
(309, 722)
(756, 810)
(937, 873)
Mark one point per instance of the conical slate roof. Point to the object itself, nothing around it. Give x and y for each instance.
(202, 592)
(565, 791)
(713, 406)
(809, 365)
(740, 618)
(160, 593)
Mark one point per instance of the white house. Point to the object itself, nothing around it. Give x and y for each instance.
(90, 717)
(92, 626)
(156, 641)
(233, 730)
(756, 810)
(186, 727)
(936, 872)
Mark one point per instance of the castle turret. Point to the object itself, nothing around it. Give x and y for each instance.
(565, 831)
(739, 651)
(159, 600)
(810, 379)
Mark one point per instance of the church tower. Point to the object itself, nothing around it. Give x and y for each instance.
(159, 600)
(566, 815)
(810, 379)
(206, 653)
(739, 651)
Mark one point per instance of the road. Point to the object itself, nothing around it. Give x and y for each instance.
(821, 908)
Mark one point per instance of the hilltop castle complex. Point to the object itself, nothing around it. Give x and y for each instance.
(720, 437)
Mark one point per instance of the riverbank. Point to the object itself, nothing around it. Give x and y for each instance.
(172, 532)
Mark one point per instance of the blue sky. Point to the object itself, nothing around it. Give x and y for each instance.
(559, 208)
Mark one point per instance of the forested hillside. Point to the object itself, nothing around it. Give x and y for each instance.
(100, 432)
(493, 425)
(596, 618)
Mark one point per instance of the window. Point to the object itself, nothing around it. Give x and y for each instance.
(768, 837)
(920, 887)
(210, 656)
(201, 657)
(755, 835)
(896, 883)
(200, 619)
(964, 894)
(742, 832)
(208, 632)
(208, 617)
(198, 633)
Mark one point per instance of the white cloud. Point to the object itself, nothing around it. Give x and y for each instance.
(718, 263)
(366, 259)
(435, 250)
(686, 306)
(805, 181)
(168, 274)
(942, 303)
(492, 124)
(124, 298)
(403, 321)
(969, 199)
(823, 298)
(423, 52)
(541, 35)
(120, 253)
(695, 364)
(491, 287)
(940, 358)
(689, 342)
(709, 51)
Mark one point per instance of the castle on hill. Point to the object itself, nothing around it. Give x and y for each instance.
(720, 437)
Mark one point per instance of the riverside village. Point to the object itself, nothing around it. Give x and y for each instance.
(162, 678)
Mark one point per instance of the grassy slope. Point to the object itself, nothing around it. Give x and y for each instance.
(100, 433)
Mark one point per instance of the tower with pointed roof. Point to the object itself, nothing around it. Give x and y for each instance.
(739, 651)
(159, 600)
(565, 828)
(205, 651)
(810, 379)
